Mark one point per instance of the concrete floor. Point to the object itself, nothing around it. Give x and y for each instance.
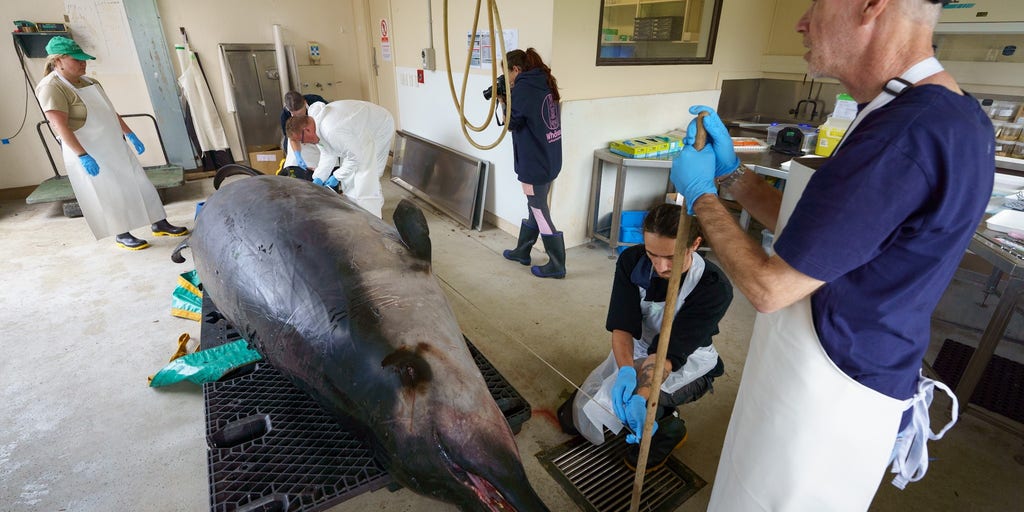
(87, 322)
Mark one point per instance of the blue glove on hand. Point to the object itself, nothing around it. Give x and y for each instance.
(134, 139)
(331, 182)
(89, 163)
(622, 390)
(299, 161)
(636, 412)
(318, 181)
(726, 160)
(693, 173)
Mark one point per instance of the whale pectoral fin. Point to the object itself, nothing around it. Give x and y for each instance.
(176, 255)
(412, 226)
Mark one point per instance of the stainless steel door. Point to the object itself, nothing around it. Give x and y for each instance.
(254, 83)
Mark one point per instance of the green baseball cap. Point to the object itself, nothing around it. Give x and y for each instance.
(61, 45)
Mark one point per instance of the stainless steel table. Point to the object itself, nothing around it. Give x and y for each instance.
(1003, 262)
(623, 166)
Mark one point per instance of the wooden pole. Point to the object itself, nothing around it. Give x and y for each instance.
(666, 329)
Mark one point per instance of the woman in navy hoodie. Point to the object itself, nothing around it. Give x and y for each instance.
(536, 125)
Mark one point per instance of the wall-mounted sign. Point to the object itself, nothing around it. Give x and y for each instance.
(385, 43)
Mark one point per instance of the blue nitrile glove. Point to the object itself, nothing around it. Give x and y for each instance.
(299, 161)
(318, 181)
(89, 163)
(134, 139)
(693, 173)
(625, 384)
(331, 182)
(726, 160)
(636, 412)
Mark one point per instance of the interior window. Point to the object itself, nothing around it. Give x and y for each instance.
(643, 32)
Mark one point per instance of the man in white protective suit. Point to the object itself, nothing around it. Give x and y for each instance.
(357, 133)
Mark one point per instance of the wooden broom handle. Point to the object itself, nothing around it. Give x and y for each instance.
(681, 246)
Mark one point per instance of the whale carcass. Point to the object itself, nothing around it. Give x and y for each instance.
(347, 307)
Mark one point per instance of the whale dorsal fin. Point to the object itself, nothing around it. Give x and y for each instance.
(412, 226)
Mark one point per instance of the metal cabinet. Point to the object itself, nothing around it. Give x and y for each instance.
(255, 84)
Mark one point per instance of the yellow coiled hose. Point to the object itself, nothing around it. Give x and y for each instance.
(493, 20)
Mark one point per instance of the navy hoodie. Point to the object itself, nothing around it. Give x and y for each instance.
(536, 125)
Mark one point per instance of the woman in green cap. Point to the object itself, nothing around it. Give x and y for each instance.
(111, 187)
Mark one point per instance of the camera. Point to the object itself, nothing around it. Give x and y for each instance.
(488, 92)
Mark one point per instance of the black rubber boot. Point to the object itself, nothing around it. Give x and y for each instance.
(554, 244)
(671, 434)
(565, 416)
(527, 237)
(127, 241)
(164, 228)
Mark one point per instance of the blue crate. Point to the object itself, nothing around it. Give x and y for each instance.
(632, 218)
(631, 235)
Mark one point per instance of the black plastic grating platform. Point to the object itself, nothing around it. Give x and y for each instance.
(596, 478)
(1001, 388)
(272, 447)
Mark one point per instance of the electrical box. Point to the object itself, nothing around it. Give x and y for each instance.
(314, 53)
(428, 59)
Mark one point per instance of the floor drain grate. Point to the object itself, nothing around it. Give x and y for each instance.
(598, 481)
(271, 447)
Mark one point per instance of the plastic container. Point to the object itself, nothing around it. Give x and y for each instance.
(1018, 150)
(829, 135)
(1011, 131)
(1005, 147)
(810, 133)
(1002, 110)
(997, 127)
(632, 218)
(1006, 221)
(631, 235)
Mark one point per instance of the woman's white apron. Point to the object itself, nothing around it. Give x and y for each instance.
(121, 197)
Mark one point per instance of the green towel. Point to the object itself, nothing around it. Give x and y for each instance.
(206, 365)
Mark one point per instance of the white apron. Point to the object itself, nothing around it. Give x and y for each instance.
(121, 197)
(803, 435)
(592, 416)
(205, 119)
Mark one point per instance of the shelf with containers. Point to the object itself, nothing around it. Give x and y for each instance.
(647, 24)
(1008, 122)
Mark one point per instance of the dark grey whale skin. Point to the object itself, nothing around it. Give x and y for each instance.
(349, 310)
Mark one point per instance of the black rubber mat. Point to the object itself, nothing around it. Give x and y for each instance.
(271, 447)
(1001, 388)
(595, 477)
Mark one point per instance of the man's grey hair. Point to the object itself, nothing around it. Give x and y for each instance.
(924, 12)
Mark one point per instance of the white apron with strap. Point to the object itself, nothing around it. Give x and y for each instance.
(803, 435)
(121, 197)
(592, 416)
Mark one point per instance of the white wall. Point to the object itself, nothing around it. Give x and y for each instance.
(599, 104)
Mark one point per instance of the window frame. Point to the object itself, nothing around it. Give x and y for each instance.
(708, 58)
